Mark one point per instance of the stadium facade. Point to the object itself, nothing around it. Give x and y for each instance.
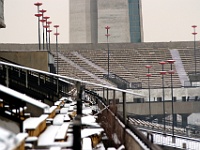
(88, 19)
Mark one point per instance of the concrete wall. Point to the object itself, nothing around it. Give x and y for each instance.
(155, 93)
(9, 125)
(153, 45)
(83, 21)
(88, 19)
(35, 111)
(177, 92)
(113, 13)
(157, 108)
(99, 46)
(33, 59)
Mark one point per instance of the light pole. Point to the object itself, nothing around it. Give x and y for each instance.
(49, 31)
(46, 26)
(38, 4)
(163, 89)
(56, 34)
(171, 72)
(149, 75)
(194, 33)
(38, 15)
(43, 20)
(107, 35)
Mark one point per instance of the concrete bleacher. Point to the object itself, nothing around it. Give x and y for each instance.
(156, 127)
(77, 68)
(128, 64)
(133, 56)
(35, 125)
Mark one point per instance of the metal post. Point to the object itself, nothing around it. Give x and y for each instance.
(149, 98)
(172, 104)
(49, 31)
(38, 4)
(103, 93)
(163, 101)
(49, 40)
(124, 108)
(79, 101)
(57, 83)
(107, 35)
(38, 15)
(194, 33)
(171, 72)
(46, 26)
(57, 52)
(108, 96)
(39, 33)
(46, 37)
(56, 34)
(114, 101)
(77, 133)
(43, 11)
(149, 75)
(124, 116)
(163, 91)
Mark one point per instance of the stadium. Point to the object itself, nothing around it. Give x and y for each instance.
(99, 94)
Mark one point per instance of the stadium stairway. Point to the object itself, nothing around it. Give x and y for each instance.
(179, 66)
(87, 73)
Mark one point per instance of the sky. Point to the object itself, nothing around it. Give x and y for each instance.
(163, 20)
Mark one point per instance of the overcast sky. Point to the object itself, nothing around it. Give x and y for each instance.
(163, 20)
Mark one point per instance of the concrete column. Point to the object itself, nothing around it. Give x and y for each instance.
(160, 119)
(175, 119)
(184, 120)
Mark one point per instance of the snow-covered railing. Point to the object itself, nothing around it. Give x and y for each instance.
(23, 97)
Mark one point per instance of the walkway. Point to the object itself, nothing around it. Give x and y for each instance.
(179, 67)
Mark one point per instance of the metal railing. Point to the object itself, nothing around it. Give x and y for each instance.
(109, 97)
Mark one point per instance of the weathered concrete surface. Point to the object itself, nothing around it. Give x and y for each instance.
(9, 125)
(113, 13)
(99, 46)
(34, 59)
(155, 93)
(83, 21)
(157, 108)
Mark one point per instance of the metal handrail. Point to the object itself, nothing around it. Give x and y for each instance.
(70, 78)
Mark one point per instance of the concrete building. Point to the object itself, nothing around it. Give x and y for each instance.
(2, 24)
(88, 19)
(83, 21)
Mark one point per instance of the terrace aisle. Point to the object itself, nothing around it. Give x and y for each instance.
(179, 67)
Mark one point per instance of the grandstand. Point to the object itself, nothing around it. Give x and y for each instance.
(129, 63)
(84, 67)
